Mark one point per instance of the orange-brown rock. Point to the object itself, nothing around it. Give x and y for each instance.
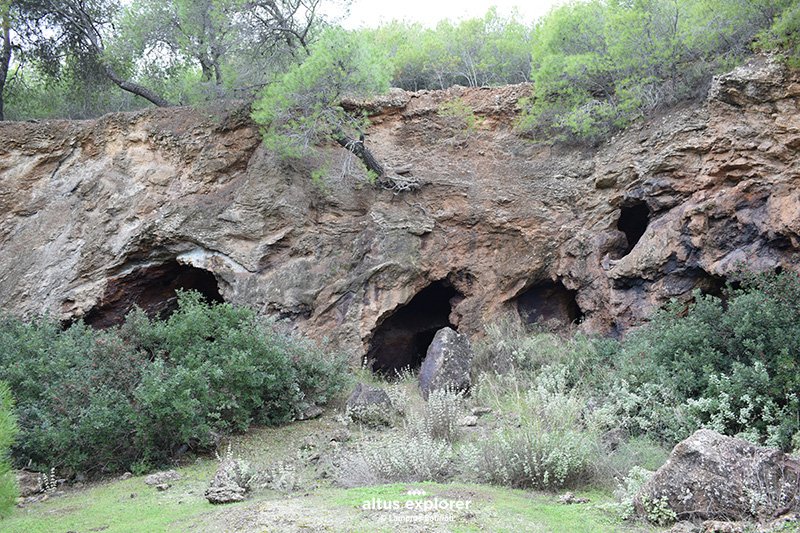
(136, 202)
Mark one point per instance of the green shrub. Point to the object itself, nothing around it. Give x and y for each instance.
(730, 366)
(8, 433)
(106, 401)
(784, 36)
(598, 66)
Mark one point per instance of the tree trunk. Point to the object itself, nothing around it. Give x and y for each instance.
(357, 148)
(85, 25)
(135, 88)
(5, 56)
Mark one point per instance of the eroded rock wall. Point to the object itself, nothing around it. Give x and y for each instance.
(85, 204)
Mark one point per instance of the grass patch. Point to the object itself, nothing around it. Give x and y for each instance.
(119, 506)
(109, 507)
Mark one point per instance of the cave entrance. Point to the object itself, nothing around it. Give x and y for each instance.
(153, 288)
(401, 341)
(633, 219)
(549, 302)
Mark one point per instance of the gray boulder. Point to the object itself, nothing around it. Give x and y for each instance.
(162, 478)
(447, 363)
(230, 483)
(710, 476)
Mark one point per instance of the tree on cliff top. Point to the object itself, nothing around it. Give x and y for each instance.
(199, 49)
(303, 109)
(75, 28)
(176, 51)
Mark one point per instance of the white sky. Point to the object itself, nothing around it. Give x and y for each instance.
(371, 13)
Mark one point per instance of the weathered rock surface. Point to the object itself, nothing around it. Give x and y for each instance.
(29, 483)
(162, 478)
(713, 477)
(447, 364)
(96, 216)
(230, 483)
(369, 404)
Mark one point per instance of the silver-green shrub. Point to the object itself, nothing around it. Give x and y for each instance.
(440, 418)
(400, 459)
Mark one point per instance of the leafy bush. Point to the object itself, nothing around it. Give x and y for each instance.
(784, 35)
(597, 66)
(730, 366)
(8, 433)
(492, 50)
(305, 107)
(102, 401)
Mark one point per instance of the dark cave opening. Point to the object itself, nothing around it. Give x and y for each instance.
(632, 222)
(549, 302)
(154, 289)
(401, 341)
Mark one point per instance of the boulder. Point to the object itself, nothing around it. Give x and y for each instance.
(370, 405)
(713, 477)
(29, 483)
(230, 483)
(162, 478)
(447, 363)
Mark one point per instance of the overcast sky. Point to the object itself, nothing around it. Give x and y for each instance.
(371, 13)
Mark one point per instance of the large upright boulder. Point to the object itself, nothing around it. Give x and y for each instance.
(447, 363)
(711, 476)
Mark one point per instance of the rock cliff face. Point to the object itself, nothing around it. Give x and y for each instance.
(99, 215)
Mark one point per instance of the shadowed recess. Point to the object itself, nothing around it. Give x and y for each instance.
(632, 222)
(402, 340)
(549, 301)
(153, 288)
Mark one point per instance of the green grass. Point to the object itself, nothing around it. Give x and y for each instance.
(110, 507)
(118, 506)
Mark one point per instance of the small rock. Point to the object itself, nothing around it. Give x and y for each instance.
(614, 438)
(721, 526)
(340, 435)
(159, 478)
(569, 498)
(369, 405)
(312, 412)
(469, 421)
(126, 475)
(226, 494)
(29, 483)
(683, 527)
(163, 486)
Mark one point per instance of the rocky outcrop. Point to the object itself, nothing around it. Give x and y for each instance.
(710, 476)
(100, 215)
(230, 483)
